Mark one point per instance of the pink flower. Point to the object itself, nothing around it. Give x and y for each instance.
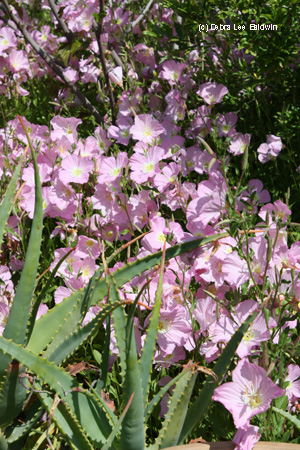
(212, 92)
(210, 202)
(270, 150)
(146, 129)
(111, 167)
(171, 71)
(18, 61)
(75, 169)
(173, 329)
(277, 211)
(257, 331)
(239, 143)
(249, 393)
(122, 132)
(225, 124)
(293, 387)
(64, 127)
(7, 39)
(116, 75)
(246, 438)
(145, 167)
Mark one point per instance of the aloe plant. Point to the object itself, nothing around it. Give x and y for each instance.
(32, 354)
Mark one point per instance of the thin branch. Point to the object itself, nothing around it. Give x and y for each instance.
(62, 24)
(142, 15)
(49, 60)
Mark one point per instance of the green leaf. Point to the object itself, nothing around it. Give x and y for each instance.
(147, 357)
(199, 407)
(79, 404)
(292, 419)
(47, 325)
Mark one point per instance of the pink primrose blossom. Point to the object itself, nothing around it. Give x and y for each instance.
(8, 39)
(246, 438)
(155, 240)
(277, 211)
(269, 150)
(4, 313)
(162, 360)
(102, 140)
(85, 268)
(65, 127)
(121, 132)
(145, 167)
(210, 202)
(173, 329)
(257, 332)
(18, 61)
(75, 169)
(239, 143)
(249, 393)
(87, 246)
(201, 124)
(82, 18)
(171, 71)
(145, 55)
(146, 129)
(61, 293)
(212, 93)
(129, 102)
(176, 106)
(71, 74)
(116, 76)
(256, 194)
(168, 176)
(42, 310)
(225, 124)
(111, 167)
(293, 383)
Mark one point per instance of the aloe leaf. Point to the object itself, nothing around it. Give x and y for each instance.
(147, 357)
(43, 329)
(55, 329)
(7, 200)
(199, 407)
(287, 415)
(81, 403)
(66, 347)
(119, 320)
(20, 308)
(43, 293)
(67, 422)
(133, 433)
(157, 398)
(101, 383)
(30, 417)
(177, 408)
(108, 443)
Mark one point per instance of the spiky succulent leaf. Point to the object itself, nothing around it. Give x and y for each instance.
(147, 357)
(177, 408)
(20, 308)
(81, 403)
(199, 407)
(7, 200)
(12, 394)
(133, 433)
(66, 347)
(47, 325)
(119, 320)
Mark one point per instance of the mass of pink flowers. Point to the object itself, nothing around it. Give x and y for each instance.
(140, 172)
